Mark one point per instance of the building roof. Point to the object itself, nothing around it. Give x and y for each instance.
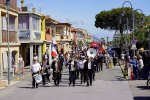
(67, 24)
(29, 12)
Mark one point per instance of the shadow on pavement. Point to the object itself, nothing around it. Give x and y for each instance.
(26, 87)
(119, 78)
(143, 88)
(141, 98)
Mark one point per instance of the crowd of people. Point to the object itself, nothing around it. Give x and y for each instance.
(80, 66)
(136, 64)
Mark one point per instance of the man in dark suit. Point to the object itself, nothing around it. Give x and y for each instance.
(88, 69)
(72, 71)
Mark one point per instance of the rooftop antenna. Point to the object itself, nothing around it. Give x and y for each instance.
(22, 3)
(40, 9)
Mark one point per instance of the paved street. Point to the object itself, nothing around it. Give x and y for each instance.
(109, 85)
(139, 90)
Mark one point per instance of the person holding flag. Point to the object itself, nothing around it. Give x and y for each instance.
(54, 52)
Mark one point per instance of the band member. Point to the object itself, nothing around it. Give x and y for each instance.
(77, 67)
(95, 65)
(81, 68)
(46, 58)
(96, 60)
(101, 58)
(88, 68)
(61, 62)
(45, 72)
(107, 59)
(72, 71)
(56, 72)
(35, 69)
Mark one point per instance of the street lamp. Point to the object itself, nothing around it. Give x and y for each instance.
(142, 19)
(134, 23)
(7, 4)
(127, 17)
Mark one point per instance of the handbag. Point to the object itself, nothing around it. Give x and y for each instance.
(38, 78)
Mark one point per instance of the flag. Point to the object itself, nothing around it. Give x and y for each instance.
(54, 52)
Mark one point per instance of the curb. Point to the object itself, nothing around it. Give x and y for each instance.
(20, 78)
(12, 83)
(15, 81)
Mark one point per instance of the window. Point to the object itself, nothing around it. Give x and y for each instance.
(62, 37)
(35, 22)
(11, 23)
(24, 22)
(4, 23)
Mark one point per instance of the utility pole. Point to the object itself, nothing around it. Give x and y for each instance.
(107, 41)
(7, 4)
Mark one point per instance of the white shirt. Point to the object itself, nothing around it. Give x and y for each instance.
(46, 57)
(141, 63)
(122, 56)
(89, 65)
(35, 67)
(81, 64)
(72, 66)
(20, 59)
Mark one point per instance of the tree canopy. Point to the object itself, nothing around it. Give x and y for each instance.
(116, 19)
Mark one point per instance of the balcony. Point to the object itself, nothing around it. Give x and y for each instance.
(12, 36)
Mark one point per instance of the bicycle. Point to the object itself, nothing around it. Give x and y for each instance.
(148, 81)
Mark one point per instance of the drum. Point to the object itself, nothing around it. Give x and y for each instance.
(38, 78)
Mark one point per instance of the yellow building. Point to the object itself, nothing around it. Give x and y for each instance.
(43, 34)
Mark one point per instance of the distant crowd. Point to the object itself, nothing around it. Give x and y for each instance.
(80, 66)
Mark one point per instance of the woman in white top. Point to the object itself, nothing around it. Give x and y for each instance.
(21, 64)
(141, 64)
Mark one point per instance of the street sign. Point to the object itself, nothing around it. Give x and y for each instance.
(133, 42)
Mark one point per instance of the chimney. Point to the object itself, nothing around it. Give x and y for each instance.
(33, 9)
(25, 8)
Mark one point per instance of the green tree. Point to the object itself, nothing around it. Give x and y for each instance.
(116, 19)
(141, 34)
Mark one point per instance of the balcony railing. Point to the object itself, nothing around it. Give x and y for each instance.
(12, 36)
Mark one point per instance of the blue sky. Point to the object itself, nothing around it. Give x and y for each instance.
(81, 13)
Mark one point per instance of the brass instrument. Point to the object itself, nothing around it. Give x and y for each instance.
(91, 52)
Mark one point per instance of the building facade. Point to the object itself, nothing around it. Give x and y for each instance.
(63, 37)
(30, 35)
(13, 36)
